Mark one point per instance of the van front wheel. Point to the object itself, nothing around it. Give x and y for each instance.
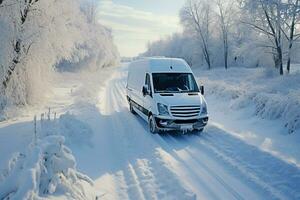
(152, 125)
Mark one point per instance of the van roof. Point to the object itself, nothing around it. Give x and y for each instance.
(163, 64)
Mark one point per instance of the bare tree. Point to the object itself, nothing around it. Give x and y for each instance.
(291, 21)
(267, 18)
(196, 16)
(225, 13)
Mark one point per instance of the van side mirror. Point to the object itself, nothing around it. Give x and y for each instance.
(201, 88)
(145, 90)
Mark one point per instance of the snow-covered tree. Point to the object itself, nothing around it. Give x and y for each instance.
(267, 17)
(248, 33)
(177, 45)
(37, 35)
(226, 14)
(291, 21)
(196, 17)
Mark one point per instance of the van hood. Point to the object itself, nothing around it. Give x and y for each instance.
(180, 99)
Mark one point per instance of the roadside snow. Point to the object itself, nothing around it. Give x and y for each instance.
(48, 166)
(271, 96)
(257, 106)
(238, 156)
(75, 131)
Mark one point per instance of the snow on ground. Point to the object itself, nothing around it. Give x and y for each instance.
(125, 161)
(47, 167)
(257, 106)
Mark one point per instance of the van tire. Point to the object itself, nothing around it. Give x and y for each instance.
(152, 125)
(131, 108)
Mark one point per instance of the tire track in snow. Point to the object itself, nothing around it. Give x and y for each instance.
(134, 187)
(280, 179)
(262, 173)
(200, 164)
(159, 165)
(140, 177)
(127, 185)
(163, 167)
(119, 92)
(147, 179)
(122, 183)
(167, 185)
(214, 184)
(130, 186)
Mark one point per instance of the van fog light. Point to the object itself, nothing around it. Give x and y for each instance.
(163, 123)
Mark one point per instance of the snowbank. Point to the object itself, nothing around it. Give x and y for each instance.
(72, 129)
(48, 167)
(262, 92)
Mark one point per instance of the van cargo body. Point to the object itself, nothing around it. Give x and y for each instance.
(163, 91)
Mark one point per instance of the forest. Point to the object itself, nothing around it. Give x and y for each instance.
(249, 33)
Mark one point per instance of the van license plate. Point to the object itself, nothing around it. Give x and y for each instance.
(186, 127)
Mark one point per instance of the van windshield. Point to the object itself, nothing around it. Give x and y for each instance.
(174, 83)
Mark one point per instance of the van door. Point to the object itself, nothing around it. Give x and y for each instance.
(148, 98)
(135, 84)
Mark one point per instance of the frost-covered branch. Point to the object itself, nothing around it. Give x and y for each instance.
(196, 13)
(36, 37)
(225, 14)
(292, 18)
(18, 47)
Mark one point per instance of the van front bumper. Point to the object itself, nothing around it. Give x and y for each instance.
(166, 124)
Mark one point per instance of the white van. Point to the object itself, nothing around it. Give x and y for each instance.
(164, 92)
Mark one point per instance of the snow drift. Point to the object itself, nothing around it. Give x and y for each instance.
(48, 167)
(74, 131)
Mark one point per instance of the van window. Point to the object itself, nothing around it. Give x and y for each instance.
(174, 83)
(148, 82)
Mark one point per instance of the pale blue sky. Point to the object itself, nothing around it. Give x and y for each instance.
(135, 22)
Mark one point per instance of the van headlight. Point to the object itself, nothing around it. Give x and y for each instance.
(162, 109)
(204, 109)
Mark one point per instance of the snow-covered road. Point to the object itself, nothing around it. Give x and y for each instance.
(127, 162)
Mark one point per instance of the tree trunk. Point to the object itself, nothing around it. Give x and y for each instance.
(288, 65)
(226, 60)
(291, 38)
(208, 62)
(18, 44)
(15, 61)
(225, 53)
(206, 56)
(279, 52)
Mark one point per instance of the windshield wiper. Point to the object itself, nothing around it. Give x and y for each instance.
(164, 91)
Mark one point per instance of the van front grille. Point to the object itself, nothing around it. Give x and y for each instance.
(185, 111)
